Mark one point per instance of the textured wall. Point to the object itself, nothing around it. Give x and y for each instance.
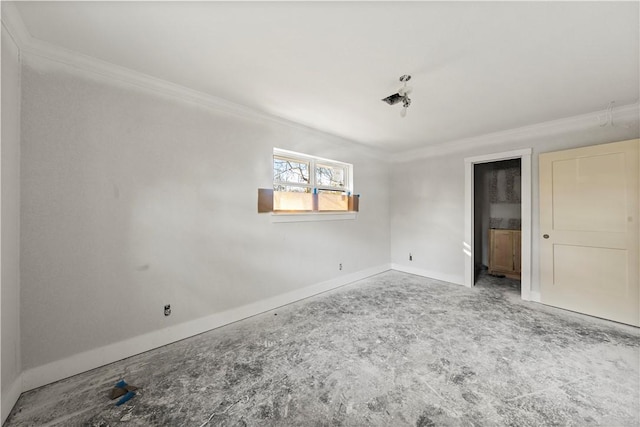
(133, 200)
(10, 223)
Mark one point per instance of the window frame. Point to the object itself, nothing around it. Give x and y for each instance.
(294, 184)
(333, 164)
(313, 161)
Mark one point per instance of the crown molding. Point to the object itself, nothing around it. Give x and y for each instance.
(30, 46)
(12, 23)
(623, 116)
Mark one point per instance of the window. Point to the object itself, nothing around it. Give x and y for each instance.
(291, 174)
(303, 183)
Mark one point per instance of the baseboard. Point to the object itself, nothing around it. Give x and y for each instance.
(430, 274)
(526, 295)
(60, 369)
(9, 398)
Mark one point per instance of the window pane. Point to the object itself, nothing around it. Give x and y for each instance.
(285, 170)
(330, 176)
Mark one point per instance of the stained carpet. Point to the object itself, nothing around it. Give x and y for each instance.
(391, 350)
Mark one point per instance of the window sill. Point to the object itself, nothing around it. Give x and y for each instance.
(312, 216)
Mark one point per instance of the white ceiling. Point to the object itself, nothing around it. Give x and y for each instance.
(477, 67)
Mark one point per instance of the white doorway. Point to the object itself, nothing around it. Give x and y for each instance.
(469, 232)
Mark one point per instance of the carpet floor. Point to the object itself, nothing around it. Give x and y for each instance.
(391, 350)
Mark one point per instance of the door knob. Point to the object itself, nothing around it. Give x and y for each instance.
(546, 236)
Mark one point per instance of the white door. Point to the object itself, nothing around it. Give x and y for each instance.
(589, 234)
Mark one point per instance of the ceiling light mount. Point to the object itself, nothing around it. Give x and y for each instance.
(401, 95)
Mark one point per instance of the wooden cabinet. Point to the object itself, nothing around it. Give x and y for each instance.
(504, 252)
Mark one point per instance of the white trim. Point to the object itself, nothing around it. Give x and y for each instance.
(623, 115)
(449, 278)
(82, 362)
(29, 45)
(467, 244)
(526, 199)
(525, 206)
(534, 296)
(312, 216)
(12, 22)
(294, 155)
(10, 397)
(505, 155)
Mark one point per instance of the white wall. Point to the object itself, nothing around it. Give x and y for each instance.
(427, 217)
(132, 200)
(427, 199)
(10, 226)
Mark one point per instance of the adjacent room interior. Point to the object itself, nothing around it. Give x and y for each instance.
(314, 213)
(497, 222)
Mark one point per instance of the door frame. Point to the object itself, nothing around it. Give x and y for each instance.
(525, 207)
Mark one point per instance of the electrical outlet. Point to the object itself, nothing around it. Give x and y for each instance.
(340, 266)
(167, 309)
(410, 257)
